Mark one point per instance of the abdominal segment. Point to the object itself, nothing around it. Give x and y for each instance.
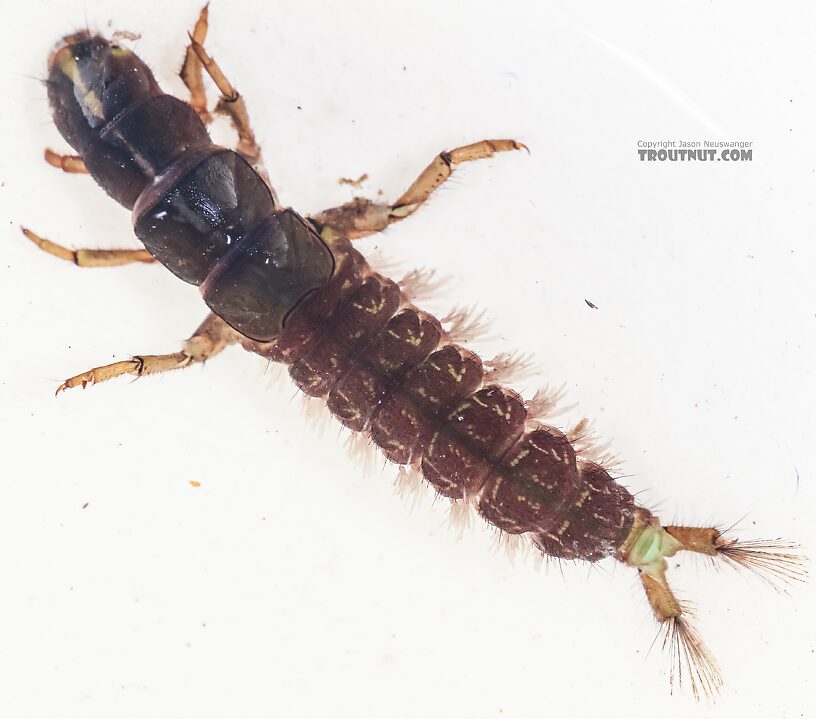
(388, 369)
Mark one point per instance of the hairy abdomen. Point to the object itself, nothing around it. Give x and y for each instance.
(389, 370)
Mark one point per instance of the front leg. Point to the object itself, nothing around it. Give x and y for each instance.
(198, 61)
(192, 71)
(211, 337)
(362, 217)
(72, 164)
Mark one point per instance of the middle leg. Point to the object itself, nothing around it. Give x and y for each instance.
(362, 217)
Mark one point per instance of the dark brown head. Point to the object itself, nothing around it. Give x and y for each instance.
(92, 79)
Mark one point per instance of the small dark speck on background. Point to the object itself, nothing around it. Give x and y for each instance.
(594, 307)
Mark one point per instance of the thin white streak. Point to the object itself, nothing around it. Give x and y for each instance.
(661, 81)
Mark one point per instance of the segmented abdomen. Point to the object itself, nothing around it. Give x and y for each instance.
(388, 369)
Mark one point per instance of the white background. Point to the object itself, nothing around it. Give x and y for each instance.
(292, 583)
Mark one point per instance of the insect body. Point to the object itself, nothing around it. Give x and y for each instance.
(201, 210)
(296, 291)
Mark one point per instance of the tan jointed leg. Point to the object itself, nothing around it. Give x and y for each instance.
(72, 164)
(192, 71)
(89, 258)
(231, 102)
(361, 217)
(212, 336)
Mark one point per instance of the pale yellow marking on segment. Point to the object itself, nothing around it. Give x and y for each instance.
(458, 376)
(505, 414)
(582, 498)
(413, 338)
(422, 392)
(68, 66)
(521, 455)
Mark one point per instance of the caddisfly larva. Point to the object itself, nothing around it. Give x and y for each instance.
(296, 291)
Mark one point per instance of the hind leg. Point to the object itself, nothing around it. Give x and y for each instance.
(362, 217)
(211, 337)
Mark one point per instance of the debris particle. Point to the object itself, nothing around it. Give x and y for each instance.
(594, 307)
(195, 483)
(126, 35)
(353, 183)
